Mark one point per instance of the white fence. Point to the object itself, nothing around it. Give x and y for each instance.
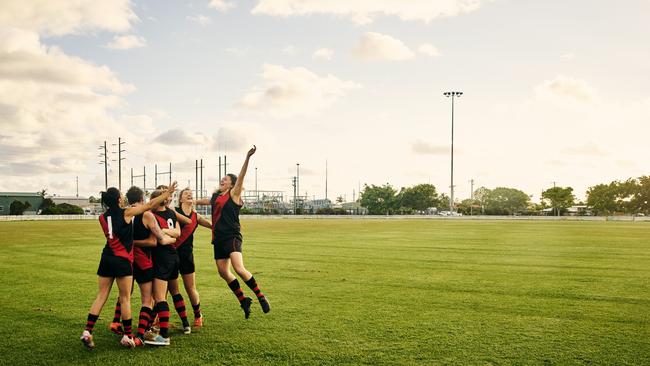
(358, 217)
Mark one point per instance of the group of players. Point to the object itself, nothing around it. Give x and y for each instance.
(150, 243)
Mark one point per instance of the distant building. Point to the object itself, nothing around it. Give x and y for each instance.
(7, 198)
(71, 200)
(354, 208)
(312, 206)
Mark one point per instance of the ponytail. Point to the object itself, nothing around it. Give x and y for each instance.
(111, 199)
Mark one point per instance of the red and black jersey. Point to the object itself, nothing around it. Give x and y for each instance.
(119, 234)
(225, 218)
(141, 255)
(166, 220)
(187, 230)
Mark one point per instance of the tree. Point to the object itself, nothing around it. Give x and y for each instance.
(469, 207)
(340, 199)
(379, 200)
(640, 200)
(92, 199)
(419, 197)
(443, 202)
(560, 198)
(18, 208)
(504, 201)
(603, 198)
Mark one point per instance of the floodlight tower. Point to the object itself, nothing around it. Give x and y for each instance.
(453, 95)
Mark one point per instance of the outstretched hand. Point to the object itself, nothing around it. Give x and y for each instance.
(251, 151)
(172, 188)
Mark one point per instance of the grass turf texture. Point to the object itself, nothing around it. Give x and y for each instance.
(355, 292)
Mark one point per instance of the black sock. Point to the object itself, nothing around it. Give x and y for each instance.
(163, 317)
(197, 310)
(128, 331)
(253, 286)
(179, 304)
(118, 312)
(236, 289)
(90, 323)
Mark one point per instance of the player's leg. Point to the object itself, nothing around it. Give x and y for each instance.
(162, 311)
(125, 284)
(190, 287)
(104, 289)
(223, 266)
(179, 304)
(146, 311)
(237, 260)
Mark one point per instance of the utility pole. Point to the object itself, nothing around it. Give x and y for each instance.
(201, 186)
(295, 203)
(325, 179)
(453, 95)
(196, 178)
(77, 186)
(119, 160)
(298, 179)
(471, 205)
(105, 162)
(256, 194)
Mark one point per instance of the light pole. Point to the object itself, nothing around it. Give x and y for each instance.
(453, 95)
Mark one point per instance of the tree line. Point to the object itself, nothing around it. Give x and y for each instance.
(630, 197)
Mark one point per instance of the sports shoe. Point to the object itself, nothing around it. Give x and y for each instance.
(158, 341)
(87, 339)
(117, 328)
(187, 329)
(138, 342)
(127, 342)
(246, 306)
(266, 306)
(150, 335)
(198, 322)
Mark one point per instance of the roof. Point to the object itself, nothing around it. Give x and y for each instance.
(20, 194)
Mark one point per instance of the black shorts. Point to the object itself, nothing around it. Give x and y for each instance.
(142, 275)
(222, 249)
(113, 266)
(186, 256)
(165, 267)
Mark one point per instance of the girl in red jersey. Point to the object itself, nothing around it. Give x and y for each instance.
(117, 260)
(189, 221)
(227, 238)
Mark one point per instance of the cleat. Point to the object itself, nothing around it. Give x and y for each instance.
(138, 342)
(158, 341)
(87, 339)
(149, 336)
(127, 342)
(266, 306)
(198, 322)
(246, 306)
(117, 328)
(187, 330)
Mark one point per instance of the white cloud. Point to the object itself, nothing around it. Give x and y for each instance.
(425, 148)
(290, 50)
(56, 18)
(229, 139)
(365, 11)
(376, 46)
(568, 56)
(588, 149)
(429, 50)
(564, 87)
(221, 5)
(199, 19)
(178, 136)
(323, 54)
(291, 91)
(126, 42)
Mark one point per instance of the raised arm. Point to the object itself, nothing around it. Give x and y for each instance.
(235, 192)
(135, 211)
(202, 202)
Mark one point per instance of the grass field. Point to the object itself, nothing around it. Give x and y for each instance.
(356, 292)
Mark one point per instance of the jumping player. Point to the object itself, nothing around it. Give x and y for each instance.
(117, 259)
(165, 264)
(189, 221)
(227, 239)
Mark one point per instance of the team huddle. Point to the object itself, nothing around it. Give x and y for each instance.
(151, 244)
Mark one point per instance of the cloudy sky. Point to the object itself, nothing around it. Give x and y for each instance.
(554, 91)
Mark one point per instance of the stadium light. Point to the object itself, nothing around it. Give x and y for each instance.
(453, 95)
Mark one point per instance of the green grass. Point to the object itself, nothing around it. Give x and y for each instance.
(356, 292)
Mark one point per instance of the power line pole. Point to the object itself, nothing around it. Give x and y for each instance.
(119, 160)
(453, 95)
(77, 186)
(325, 179)
(201, 186)
(295, 202)
(196, 178)
(105, 162)
(256, 194)
(471, 205)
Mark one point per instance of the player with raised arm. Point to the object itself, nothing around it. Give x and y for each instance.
(227, 239)
(117, 260)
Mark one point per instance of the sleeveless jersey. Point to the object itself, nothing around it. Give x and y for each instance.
(225, 218)
(166, 220)
(119, 234)
(187, 230)
(141, 255)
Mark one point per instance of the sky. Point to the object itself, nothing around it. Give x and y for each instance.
(554, 92)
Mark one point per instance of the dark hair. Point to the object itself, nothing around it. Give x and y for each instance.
(157, 193)
(180, 195)
(134, 195)
(233, 178)
(111, 198)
